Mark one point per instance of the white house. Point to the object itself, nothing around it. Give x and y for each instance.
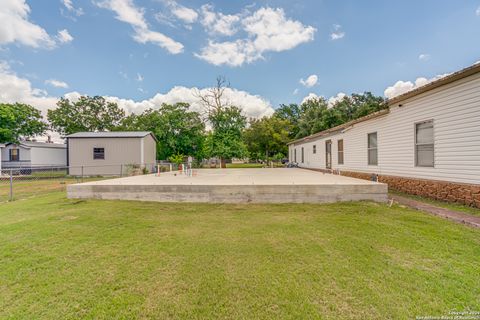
(427, 142)
(107, 153)
(1, 151)
(31, 154)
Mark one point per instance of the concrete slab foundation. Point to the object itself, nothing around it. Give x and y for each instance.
(234, 186)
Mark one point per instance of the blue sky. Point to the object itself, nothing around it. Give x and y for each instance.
(135, 49)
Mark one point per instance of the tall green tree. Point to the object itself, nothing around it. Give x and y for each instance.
(85, 114)
(225, 139)
(291, 113)
(20, 121)
(316, 115)
(267, 137)
(178, 130)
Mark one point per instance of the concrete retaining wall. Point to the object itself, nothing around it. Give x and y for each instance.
(232, 193)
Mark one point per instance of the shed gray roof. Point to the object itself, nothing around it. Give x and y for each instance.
(112, 134)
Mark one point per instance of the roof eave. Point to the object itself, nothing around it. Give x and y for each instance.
(466, 72)
(341, 127)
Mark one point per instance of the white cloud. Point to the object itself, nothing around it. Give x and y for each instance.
(145, 36)
(185, 14)
(16, 89)
(337, 32)
(234, 53)
(127, 12)
(252, 105)
(332, 100)
(71, 8)
(424, 57)
(267, 29)
(174, 11)
(217, 22)
(311, 96)
(401, 87)
(310, 81)
(477, 12)
(295, 92)
(16, 27)
(64, 36)
(139, 77)
(56, 83)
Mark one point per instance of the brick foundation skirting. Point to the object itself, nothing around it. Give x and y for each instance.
(467, 194)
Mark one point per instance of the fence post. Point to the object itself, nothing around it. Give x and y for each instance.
(121, 170)
(11, 185)
(82, 173)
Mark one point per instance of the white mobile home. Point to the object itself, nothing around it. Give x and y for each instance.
(32, 154)
(107, 153)
(1, 151)
(427, 142)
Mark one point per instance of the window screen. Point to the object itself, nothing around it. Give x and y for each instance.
(424, 144)
(98, 153)
(14, 155)
(372, 149)
(340, 151)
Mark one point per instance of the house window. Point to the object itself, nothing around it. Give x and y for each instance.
(372, 149)
(424, 144)
(302, 155)
(98, 153)
(14, 154)
(295, 156)
(340, 151)
(314, 149)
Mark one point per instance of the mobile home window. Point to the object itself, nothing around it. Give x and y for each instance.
(98, 153)
(424, 145)
(372, 149)
(340, 151)
(302, 155)
(14, 155)
(314, 149)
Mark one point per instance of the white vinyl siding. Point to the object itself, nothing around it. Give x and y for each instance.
(455, 112)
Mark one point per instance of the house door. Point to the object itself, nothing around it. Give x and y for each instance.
(328, 154)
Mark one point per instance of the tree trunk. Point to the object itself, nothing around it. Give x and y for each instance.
(223, 163)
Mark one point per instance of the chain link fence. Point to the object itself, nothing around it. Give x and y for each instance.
(21, 183)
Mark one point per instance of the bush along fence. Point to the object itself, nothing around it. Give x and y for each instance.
(21, 183)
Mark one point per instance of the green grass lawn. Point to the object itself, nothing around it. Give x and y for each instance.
(25, 187)
(94, 259)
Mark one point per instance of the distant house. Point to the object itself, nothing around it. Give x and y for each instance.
(1, 151)
(427, 141)
(32, 154)
(107, 153)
